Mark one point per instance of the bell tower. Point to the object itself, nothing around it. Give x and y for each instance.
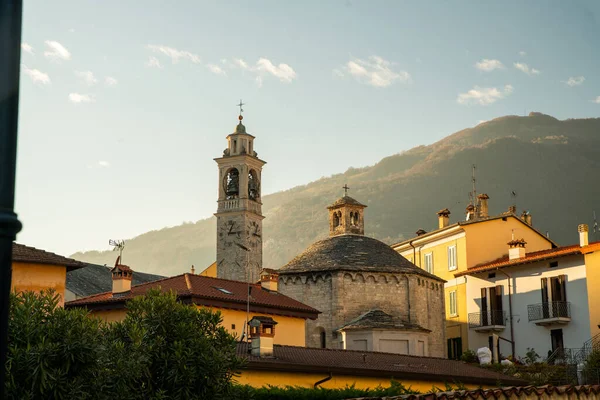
(346, 216)
(239, 212)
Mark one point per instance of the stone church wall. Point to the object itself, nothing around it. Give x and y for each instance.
(427, 310)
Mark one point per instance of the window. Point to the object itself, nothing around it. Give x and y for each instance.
(323, 340)
(454, 348)
(553, 264)
(453, 308)
(491, 306)
(429, 262)
(223, 290)
(451, 258)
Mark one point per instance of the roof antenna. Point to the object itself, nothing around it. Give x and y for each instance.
(513, 195)
(596, 228)
(118, 245)
(474, 193)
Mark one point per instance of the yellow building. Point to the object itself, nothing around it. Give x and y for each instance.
(453, 248)
(227, 296)
(36, 270)
(309, 367)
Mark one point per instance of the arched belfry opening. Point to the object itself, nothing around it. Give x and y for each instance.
(232, 183)
(253, 185)
(346, 216)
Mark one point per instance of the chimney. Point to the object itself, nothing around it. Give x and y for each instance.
(526, 217)
(470, 211)
(483, 205)
(512, 209)
(421, 232)
(516, 249)
(443, 218)
(269, 279)
(193, 270)
(262, 332)
(583, 234)
(121, 277)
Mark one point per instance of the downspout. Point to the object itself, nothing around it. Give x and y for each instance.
(10, 47)
(317, 383)
(512, 328)
(414, 252)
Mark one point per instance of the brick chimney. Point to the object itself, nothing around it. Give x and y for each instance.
(443, 218)
(262, 332)
(526, 217)
(470, 212)
(583, 234)
(269, 279)
(121, 277)
(516, 249)
(483, 205)
(512, 209)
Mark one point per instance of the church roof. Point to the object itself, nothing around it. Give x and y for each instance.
(346, 200)
(352, 253)
(377, 319)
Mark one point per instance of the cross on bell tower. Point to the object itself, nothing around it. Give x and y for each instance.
(239, 212)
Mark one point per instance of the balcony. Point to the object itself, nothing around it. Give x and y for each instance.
(488, 321)
(239, 205)
(550, 313)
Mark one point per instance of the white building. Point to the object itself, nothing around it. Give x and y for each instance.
(537, 300)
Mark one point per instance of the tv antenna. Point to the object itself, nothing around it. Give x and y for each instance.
(117, 245)
(513, 195)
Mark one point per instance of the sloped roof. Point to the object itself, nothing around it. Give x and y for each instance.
(27, 254)
(534, 256)
(346, 200)
(352, 253)
(94, 279)
(512, 392)
(366, 363)
(377, 319)
(204, 290)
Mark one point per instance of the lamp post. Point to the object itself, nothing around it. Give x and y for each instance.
(10, 51)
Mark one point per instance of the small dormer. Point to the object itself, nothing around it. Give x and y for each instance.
(121, 277)
(262, 333)
(346, 215)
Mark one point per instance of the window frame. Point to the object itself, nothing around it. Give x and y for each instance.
(430, 256)
(452, 249)
(453, 294)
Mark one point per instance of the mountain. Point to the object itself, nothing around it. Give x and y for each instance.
(551, 165)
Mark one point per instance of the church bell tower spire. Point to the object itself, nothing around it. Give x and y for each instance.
(239, 212)
(346, 216)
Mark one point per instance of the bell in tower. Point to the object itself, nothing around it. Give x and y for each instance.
(346, 216)
(239, 212)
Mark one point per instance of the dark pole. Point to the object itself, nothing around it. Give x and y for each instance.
(10, 55)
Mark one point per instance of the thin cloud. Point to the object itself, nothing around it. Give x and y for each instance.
(215, 69)
(374, 71)
(575, 81)
(484, 96)
(27, 48)
(488, 65)
(56, 51)
(87, 77)
(522, 53)
(525, 68)
(153, 62)
(78, 98)
(110, 81)
(36, 75)
(174, 54)
(596, 100)
(264, 68)
(103, 164)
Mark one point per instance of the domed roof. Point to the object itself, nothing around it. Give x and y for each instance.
(351, 253)
(240, 128)
(346, 200)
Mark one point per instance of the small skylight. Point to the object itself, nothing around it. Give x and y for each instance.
(223, 290)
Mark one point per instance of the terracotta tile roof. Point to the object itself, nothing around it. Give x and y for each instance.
(27, 254)
(365, 363)
(514, 392)
(208, 291)
(94, 279)
(379, 319)
(541, 255)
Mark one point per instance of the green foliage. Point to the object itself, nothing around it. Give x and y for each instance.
(591, 369)
(469, 356)
(531, 357)
(411, 180)
(162, 350)
(300, 393)
(537, 374)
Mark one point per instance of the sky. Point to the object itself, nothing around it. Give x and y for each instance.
(125, 104)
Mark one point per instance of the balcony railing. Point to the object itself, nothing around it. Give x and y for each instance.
(550, 313)
(486, 321)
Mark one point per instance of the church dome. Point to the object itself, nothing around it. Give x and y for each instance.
(351, 253)
(240, 128)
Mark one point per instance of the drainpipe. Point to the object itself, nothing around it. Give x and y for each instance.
(10, 48)
(512, 328)
(317, 383)
(414, 252)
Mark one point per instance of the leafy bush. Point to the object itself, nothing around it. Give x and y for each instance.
(469, 356)
(591, 369)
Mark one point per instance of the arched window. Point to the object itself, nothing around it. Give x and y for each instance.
(253, 185)
(232, 184)
(323, 337)
(336, 220)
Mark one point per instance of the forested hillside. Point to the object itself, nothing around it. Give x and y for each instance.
(552, 165)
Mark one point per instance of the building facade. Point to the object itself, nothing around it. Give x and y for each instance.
(455, 247)
(239, 213)
(350, 277)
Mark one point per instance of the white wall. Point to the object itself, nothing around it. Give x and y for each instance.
(526, 289)
(388, 341)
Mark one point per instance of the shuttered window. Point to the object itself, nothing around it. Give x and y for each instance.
(452, 258)
(429, 262)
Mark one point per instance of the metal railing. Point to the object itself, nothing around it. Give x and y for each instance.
(551, 309)
(487, 318)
